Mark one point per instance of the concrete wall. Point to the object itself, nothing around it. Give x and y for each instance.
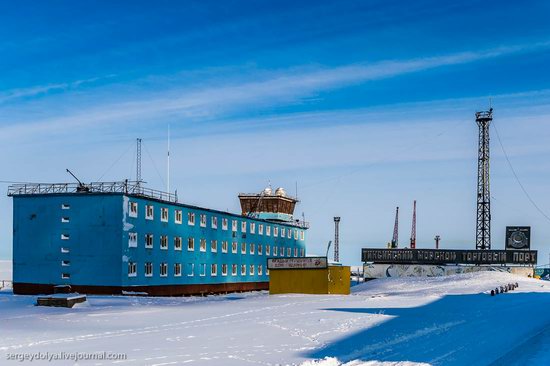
(425, 270)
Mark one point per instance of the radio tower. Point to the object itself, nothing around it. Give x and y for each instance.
(337, 239)
(413, 231)
(395, 239)
(483, 227)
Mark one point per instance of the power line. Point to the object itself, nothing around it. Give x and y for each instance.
(516, 176)
(114, 163)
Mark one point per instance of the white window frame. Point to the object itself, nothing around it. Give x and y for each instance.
(148, 265)
(214, 222)
(149, 212)
(243, 248)
(267, 250)
(251, 270)
(243, 269)
(234, 269)
(191, 218)
(132, 239)
(252, 228)
(202, 220)
(224, 269)
(295, 234)
(202, 245)
(260, 229)
(178, 242)
(190, 244)
(203, 270)
(275, 231)
(260, 270)
(132, 269)
(65, 250)
(283, 232)
(302, 252)
(234, 225)
(65, 263)
(224, 223)
(132, 209)
(65, 219)
(192, 272)
(224, 246)
(164, 214)
(252, 248)
(177, 269)
(65, 206)
(178, 216)
(213, 246)
(275, 250)
(259, 250)
(295, 252)
(164, 242)
(163, 269)
(288, 252)
(213, 270)
(268, 230)
(234, 247)
(65, 276)
(289, 233)
(243, 226)
(147, 245)
(65, 236)
(302, 235)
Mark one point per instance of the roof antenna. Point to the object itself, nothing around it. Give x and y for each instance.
(168, 163)
(81, 186)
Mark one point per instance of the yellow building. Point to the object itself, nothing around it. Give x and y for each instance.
(307, 275)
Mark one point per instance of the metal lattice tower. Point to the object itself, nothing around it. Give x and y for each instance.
(413, 230)
(337, 239)
(138, 161)
(483, 227)
(395, 238)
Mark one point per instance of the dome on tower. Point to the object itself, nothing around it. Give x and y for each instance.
(268, 191)
(280, 192)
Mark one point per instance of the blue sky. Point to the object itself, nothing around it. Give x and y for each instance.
(367, 105)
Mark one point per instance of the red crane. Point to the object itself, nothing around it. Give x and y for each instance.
(413, 231)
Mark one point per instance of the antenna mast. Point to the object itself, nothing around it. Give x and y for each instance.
(138, 161)
(337, 239)
(168, 164)
(483, 224)
(413, 230)
(395, 239)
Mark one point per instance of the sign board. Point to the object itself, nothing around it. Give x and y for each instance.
(297, 263)
(518, 237)
(445, 256)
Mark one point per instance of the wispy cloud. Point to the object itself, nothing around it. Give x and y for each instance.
(255, 91)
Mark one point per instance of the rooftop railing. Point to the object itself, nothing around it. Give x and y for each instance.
(126, 187)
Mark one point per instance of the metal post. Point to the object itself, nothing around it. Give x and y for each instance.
(336, 239)
(483, 224)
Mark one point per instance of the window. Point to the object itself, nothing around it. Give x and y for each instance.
(251, 269)
(203, 220)
(234, 225)
(243, 226)
(190, 244)
(261, 229)
(163, 269)
(148, 240)
(234, 247)
(268, 230)
(132, 240)
(149, 212)
(275, 251)
(295, 234)
(133, 209)
(65, 219)
(64, 250)
(224, 223)
(214, 222)
(288, 252)
(65, 206)
(178, 217)
(202, 246)
(302, 235)
(224, 246)
(289, 233)
(252, 247)
(283, 232)
(243, 248)
(65, 276)
(163, 242)
(214, 246)
(295, 252)
(65, 263)
(267, 250)
(177, 242)
(213, 270)
(252, 227)
(132, 269)
(65, 236)
(260, 269)
(282, 251)
(191, 218)
(275, 231)
(177, 269)
(203, 269)
(302, 252)
(164, 214)
(233, 270)
(243, 269)
(259, 249)
(148, 269)
(224, 269)
(190, 269)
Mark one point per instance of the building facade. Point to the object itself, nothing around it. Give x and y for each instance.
(117, 238)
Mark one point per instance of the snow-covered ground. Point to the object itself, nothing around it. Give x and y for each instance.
(411, 321)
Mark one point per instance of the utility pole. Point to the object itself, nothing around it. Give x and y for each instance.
(437, 239)
(483, 224)
(337, 238)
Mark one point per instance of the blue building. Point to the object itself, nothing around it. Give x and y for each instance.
(114, 238)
